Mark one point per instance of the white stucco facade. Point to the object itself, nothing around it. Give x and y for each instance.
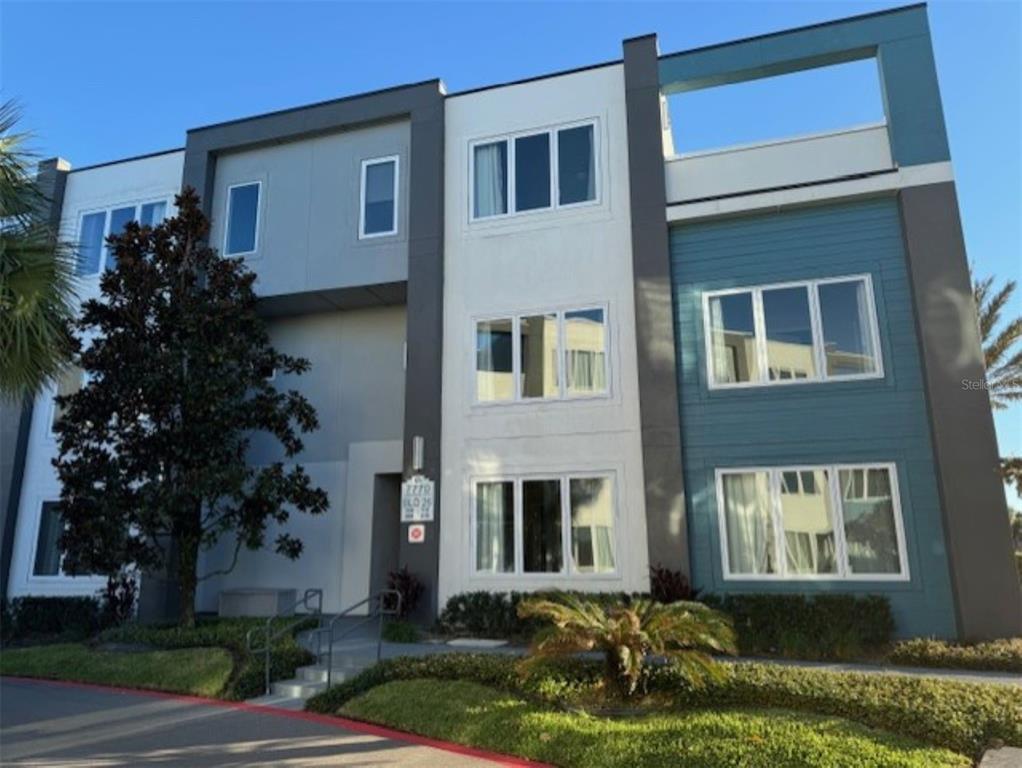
(539, 262)
(132, 182)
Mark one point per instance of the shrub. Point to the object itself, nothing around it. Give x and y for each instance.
(50, 618)
(965, 717)
(802, 627)
(628, 633)
(117, 599)
(400, 632)
(667, 586)
(406, 584)
(1002, 655)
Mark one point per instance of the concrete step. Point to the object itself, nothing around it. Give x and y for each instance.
(297, 688)
(280, 702)
(318, 673)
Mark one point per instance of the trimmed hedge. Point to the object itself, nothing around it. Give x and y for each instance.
(833, 627)
(50, 618)
(996, 655)
(247, 677)
(965, 717)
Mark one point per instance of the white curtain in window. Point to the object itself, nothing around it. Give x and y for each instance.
(490, 179)
(492, 551)
(587, 371)
(723, 367)
(748, 522)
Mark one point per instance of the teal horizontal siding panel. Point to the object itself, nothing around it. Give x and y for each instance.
(876, 420)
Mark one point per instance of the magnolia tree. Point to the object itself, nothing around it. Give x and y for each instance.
(154, 448)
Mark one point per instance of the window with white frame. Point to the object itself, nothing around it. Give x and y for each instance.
(378, 197)
(544, 525)
(93, 254)
(68, 382)
(47, 554)
(534, 170)
(242, 234)
(818, 330)
(544, 355)
(816, 522)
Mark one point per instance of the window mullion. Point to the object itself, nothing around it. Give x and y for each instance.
(759, 324)
(774, 484)
(516, 356)
(816, 321)
(567, 562)
(839, 522)
(555, 201)
(512, 203)
(562, 356)
(516, 498)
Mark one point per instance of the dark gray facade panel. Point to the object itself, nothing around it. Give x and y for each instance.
(425, 324)
(988, 602)
(666, 530)
(15, 419)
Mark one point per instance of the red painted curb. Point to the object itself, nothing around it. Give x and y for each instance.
(312, 717)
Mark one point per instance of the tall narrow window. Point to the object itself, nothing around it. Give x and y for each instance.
(532, 172)
(585, 350)
(494, 363)
(576, 165)
(119, 218)
(847, 331)
(732, 329)
(495, 527)
(153, 213)
(592, 524)
(90, 243)
(538, 347)
(789, 333)
(69, 382)
(379, 197)
(871, 534)
(541, 526)
(242, 219)
(748, 523)
(810, 545)
(47, 553)
(491, 180)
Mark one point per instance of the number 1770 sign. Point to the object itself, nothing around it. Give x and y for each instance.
(417, 500)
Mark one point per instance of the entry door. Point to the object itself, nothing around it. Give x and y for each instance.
(386, 529)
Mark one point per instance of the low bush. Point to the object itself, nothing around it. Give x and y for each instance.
(248, 676)
(668, 586)
(51, 618)
(832, 627)
(965, 717)
(469, 713)
(408, 585)
(400, 632)
(1000, 655)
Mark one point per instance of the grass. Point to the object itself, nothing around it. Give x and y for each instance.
(196, 671)
(475, 715)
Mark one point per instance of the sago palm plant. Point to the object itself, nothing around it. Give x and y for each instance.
(629, 633)
(37, 281)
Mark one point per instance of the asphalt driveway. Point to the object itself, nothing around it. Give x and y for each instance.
(47, 724)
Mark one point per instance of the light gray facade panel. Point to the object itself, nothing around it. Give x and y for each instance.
(987, 595)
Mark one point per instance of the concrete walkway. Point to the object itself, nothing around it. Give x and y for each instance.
(67, 725)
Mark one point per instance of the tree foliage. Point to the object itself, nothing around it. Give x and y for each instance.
(627, 633)
(154, 449)
(1002, 352)
(37, 274)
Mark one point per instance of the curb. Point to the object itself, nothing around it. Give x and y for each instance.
(356, 726)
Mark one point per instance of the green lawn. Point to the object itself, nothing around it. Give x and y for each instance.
(472, 714)
(198, 671)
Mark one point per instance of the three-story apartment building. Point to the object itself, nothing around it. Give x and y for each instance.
(744, 364)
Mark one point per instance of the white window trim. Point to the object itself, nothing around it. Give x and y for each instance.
(555, 203)
(516, 354)
(104, 251)
(258, 218)
(840, 546)
(568, 569)
(32, 575)
(51, 434)
(396, 159)
(816, 322)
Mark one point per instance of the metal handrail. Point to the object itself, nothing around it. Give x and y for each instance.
(268, 626)
(378, 613)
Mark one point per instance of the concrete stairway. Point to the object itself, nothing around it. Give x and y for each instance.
(307, 682)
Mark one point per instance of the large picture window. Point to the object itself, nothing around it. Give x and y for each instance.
(547, 355)
(817, 522)
(93, 254)
(533, 171)
(544, 525)
(822, 330)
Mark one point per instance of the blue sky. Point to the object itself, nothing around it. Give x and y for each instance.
(99, 81)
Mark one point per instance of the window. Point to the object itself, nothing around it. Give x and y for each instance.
(533, 171)
(47, 553)
(93, 255)
(821, 330)
(242, 219)
(378, 214)
(544, 525)
(69, 382)
(826, 522)
(544, 356)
